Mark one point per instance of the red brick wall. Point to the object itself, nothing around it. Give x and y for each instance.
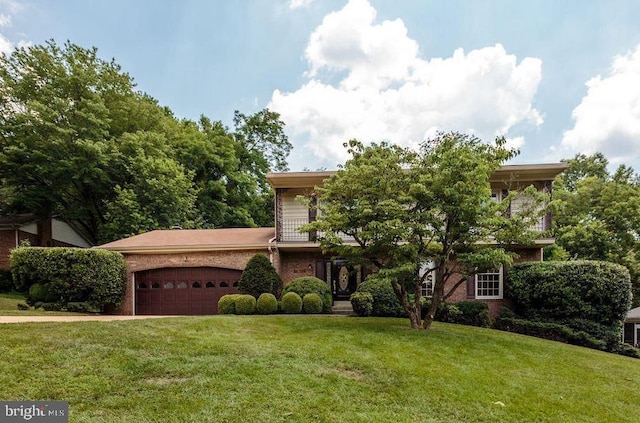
(8, 243)
(296, 264)
(137, 262)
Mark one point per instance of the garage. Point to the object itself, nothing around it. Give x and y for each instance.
(183, 290)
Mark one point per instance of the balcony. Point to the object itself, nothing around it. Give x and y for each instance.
(289, 232)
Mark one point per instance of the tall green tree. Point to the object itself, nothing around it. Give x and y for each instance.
(407, 211)
(78, 141)
(597, 214)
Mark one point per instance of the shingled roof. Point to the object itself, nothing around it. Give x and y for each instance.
(177, 240)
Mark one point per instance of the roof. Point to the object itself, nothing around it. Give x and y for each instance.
(17, 220)
(184, 240)
(521, 172)
(633, 315)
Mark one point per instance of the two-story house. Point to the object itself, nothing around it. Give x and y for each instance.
(186, 271)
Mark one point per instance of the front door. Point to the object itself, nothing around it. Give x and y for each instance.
(344, 280)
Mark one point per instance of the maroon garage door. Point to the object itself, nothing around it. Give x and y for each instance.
(183, 290)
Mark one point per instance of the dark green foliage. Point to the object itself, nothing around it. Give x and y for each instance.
(472, 313)
(39, 292)
(312, 303)
(552, 331)
(362, 303)
(81, 307)
(258, 277)
(311, 285)
(23, 306)
(291, 303)
(97, 277)
(245, 304)
(267, 304)
(385, 301)
(227, 304)
(6, 281)
(591, 290)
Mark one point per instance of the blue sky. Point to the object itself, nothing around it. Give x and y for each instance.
(555, 78)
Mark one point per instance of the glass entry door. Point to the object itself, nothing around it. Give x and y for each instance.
(344, 279)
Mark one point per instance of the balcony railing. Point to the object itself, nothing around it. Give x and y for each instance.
(290, 230)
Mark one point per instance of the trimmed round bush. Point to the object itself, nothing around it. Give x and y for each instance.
(227, 304)
(385, 302)
(258, 277)
(362, 303)
(311, 285)
(267, 304)
(245, 304)
(291, 303)
(312, 303)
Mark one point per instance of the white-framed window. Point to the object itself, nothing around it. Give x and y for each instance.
(427, 286)
(489, 284)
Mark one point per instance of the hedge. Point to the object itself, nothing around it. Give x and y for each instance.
(592, 290)
(362, 303)
(72, 275)
(245, 304)
(258, 277)
(311, 285)
(227, 304)
(385, 301)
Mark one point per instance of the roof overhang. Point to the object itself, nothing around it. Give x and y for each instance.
(176, 249)
(519, 172)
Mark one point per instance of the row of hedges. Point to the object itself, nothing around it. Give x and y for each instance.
(267, 303)
(62, 278)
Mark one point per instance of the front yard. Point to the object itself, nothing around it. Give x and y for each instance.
(310, 369)
(9, 307)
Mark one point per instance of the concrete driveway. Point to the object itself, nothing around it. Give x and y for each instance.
(79, 318)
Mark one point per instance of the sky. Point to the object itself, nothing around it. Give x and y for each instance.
(555, 78)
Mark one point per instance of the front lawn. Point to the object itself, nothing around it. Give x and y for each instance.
(310, 369)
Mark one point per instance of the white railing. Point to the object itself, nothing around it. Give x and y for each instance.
(290, 232)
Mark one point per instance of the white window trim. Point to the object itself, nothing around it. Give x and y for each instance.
(500, 286)
(424, 269)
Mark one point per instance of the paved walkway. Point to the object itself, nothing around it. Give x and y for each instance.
(81, 318)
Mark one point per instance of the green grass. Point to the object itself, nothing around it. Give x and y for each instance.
(310, 369)
(9, 307)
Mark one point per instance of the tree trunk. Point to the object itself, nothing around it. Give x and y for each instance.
(436, 299)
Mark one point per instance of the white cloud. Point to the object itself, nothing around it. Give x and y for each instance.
(7, 9)
(6, 46)
(367, 81)
(294, 4)
(608, 117)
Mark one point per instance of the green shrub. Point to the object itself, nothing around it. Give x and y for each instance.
(362, 303)
(291, 303)
(245, 304)
(593, 290)
(81, 308)
(227, 304)
(312, 303)
(311, 285)
(94, 276)
(267, 304)
(472, 313)
(23, 306)
(385, 302)
(258, 277)
(6, 281)
(549, 330)
(39, 293)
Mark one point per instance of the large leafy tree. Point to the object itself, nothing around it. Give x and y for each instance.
(413, 213)
(597, 214)
(77, 140)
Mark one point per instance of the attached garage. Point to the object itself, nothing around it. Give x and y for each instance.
(185, 272)
(183, 290)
